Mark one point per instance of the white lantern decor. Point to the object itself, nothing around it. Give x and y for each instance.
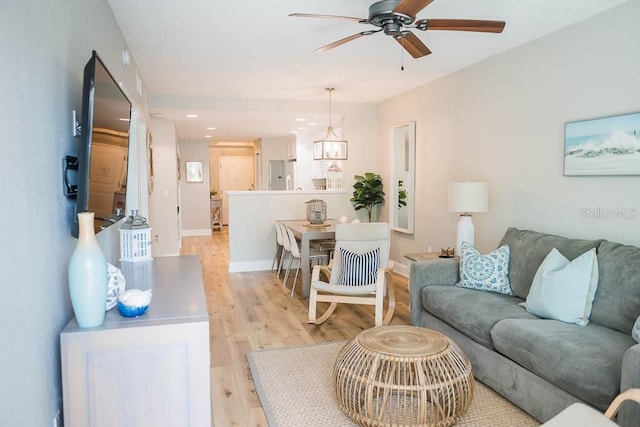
(135, 239)
(334, 177)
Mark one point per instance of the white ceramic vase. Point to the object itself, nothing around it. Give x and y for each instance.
(88, 277)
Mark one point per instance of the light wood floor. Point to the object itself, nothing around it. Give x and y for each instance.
(251, 311)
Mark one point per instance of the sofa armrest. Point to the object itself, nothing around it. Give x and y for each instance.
(629, 413)
(441, 272)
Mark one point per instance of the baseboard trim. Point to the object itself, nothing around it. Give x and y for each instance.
(246, 266)
(196, 232)
(401, 268)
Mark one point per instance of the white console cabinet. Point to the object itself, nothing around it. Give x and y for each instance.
(147, 371)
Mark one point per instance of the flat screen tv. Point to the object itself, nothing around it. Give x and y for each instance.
(104, 147)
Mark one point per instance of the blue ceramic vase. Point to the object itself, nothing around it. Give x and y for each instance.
(88, 278)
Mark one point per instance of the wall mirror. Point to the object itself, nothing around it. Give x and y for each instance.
(402, 172)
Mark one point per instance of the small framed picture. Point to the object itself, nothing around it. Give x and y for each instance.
(194, 171)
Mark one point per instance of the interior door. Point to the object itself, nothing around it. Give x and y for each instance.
(236, 174)
(107, 176)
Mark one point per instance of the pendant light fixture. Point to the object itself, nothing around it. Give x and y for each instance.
(330, 147)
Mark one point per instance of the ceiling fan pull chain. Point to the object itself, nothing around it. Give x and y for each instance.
(402, 56)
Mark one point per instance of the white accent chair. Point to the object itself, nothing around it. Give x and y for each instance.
(581, 415)
(358, 239)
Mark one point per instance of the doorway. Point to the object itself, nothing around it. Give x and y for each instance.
(235, 174)
(276, 175)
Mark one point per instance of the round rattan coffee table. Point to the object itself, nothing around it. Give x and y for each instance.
(403, 376)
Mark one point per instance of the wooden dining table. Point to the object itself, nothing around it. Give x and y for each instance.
(306, 233)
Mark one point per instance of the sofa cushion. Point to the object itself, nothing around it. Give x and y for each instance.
(472, 312)
(488, 272)
(584, 361)
(617, 301)
(564, 290)
(529, 248)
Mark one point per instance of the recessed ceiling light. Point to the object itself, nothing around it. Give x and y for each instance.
(208, 136)
(301, 119)
(312, 123)
(122, 119)
(302, 128)
(210, 128)
(192, 116)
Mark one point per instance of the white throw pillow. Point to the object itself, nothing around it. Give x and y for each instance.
(359, 269)
(488, 272)
(564, 290)
(635, 332)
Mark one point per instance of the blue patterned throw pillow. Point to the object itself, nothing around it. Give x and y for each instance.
(488, 272)
(359, 269)
(635, 333)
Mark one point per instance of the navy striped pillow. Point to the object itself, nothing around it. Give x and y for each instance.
(359, 269)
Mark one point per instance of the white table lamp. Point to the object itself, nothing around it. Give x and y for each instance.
(466, 197)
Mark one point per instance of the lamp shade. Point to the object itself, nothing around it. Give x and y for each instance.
(468, 197)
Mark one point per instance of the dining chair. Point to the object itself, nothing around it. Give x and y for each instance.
(359, 273)
(315, 256)
(286, 247)
(279, 248)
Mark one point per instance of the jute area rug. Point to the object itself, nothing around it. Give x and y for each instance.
(295, 386)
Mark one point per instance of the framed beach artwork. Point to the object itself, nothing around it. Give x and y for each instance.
(604, 146)
(194, 171)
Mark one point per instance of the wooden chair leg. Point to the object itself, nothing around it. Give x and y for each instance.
(391, 292)
(320, 320)
(313, 301)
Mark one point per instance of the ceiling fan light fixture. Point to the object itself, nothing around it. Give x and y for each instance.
(331, 147)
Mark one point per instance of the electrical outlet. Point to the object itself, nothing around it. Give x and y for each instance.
(57, 420)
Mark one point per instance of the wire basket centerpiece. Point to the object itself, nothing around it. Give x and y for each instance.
(316, 211)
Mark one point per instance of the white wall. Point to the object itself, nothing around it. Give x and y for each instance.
(194, 196)
(272, 149)
(164, 201)
(251, 222)
(502, 121)
(44, 45)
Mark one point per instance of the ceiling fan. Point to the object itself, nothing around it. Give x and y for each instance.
(396, 17)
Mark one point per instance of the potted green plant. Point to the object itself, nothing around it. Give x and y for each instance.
(402, 194)
(367, 192)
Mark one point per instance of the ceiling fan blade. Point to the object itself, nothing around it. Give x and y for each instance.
(412, 44)
(342, 18)
(411, 7)
(461, 25)
(346, 40)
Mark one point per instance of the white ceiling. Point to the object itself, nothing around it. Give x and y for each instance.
(245, 66)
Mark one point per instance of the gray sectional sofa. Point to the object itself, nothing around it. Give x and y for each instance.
(540, 365)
